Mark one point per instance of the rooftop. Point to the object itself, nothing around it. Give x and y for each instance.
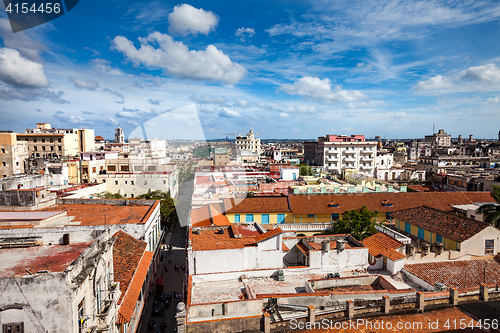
(449, 225)
(382, 244)
(458, 274)
(208, 215)
(54, 258)
(258, 205)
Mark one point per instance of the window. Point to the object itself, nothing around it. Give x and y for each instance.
(3, 163)
(116, 182)
(407, 228)
(236, 218)
(249, 218)
(126, 182)
(59, 140)
(43, 148)
(137, 168)
(34, 140)
(152, 168)
(81, 318)
(489, 246)
(124, 168)
(145, 182)
(281, 218)
(51, 140)
(421, 233)
(265, 218)
(3, 151)
(51, 148)
(132, 195)
(439, 239)
(111, 168)
(59, 147)
(94, 169)
(35, 148)
(13, 328)
(131, 182)
(43, 140)
(310, 215)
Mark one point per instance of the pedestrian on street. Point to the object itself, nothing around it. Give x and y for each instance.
(166, 269)
(176, 267)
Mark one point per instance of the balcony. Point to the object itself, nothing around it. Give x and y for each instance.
(332, 158)
(305, 226)
(107, 308)
(366, 166)
(367, 158)
(366, 151)
(350, 158)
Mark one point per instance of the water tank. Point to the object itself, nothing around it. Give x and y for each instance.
(409, 249)
(341, 245)
(438, 286)
(325, 246)
(439, 247)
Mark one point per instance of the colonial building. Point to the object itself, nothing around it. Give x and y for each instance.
(248, 142)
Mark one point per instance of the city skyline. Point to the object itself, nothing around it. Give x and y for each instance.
(302, 70)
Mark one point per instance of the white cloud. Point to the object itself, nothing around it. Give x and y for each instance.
(434, 83)
(186, 19)
(176, 58)
(207, 108)
(71, 119)
(109, 121)
(242, 103)
(204, 98)
(398, 115)
(84, 84)
(20, 72)
(226, 113)
(365, 104)
(154, 101)
(489, 73)
(31, 94)
(25, 41)
(321, 89)
(291, 108)
(493, 100)
(118, 97)
(283, 115)
(244, 32)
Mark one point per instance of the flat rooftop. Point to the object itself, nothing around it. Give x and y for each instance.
(55, 258)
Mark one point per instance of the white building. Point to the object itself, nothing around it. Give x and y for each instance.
(248, 142)
(439, 139)
(131, 185)
(289, 172)
(349, 153)
(119, 136)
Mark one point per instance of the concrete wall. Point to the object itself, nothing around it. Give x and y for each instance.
(245, 324)
(232, 309)
(344, 282)
(379, 263)
(339, 260)
(395, 266)
(418, 281)
(476, 244)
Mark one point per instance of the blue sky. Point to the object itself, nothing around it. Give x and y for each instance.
(286, 69)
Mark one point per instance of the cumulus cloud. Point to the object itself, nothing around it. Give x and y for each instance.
(398, 115)
(118, 97)
(84, 84)
(87, 112)
(25, 41)
(185, 19)
(493, 100)
(102, 66)
(20, 72)
(176, 58)
(31, 94)
(244, 32)
(434, 83)
(109, 121)
(321, 89)
(242, 103)
(489, 73)
(154, 101)
(226, 113)
(74, 120)
(207, 108)
(208, 99)
(283, 115)
(291, 108)
(136, 113)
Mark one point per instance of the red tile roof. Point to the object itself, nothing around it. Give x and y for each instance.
(208, 215)
(211, 240)
(303, 248)
(382, 244)
(284, 247)
(269, 234)
(127, 254)
(259, 205)
(449, 225)
(459, 273)
(99, 138)
(129, 301)
(318, 204)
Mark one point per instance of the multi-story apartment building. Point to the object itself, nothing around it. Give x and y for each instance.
(45, 141)
(340, 152)
(248, 142)
(439, 139)
(12, 154)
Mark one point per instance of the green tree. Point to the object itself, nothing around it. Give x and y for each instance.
(167, 206)
(305, 170)
(109, 195)
(359, 223)
(492, 211)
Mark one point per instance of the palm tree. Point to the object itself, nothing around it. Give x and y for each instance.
(492, 210)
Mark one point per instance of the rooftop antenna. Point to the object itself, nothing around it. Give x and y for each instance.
(433, 128)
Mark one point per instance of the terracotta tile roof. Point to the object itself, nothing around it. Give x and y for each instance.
(210, 240)
(303, 248)
(333, 245)
(382, 244)
(129, 301)
(261, 205)
(55, 258)
(459, 273)
(449, 225)
(284, 247)
(95, 214)
(208, 215)
(127, 254)
(415, 323)
(269, 234)
(423, 188)
(318, 204)
(100, 138)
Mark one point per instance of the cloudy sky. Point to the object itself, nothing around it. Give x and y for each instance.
(286, 69)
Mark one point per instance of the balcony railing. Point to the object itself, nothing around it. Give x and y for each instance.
(305, 226)
(350, 158)
(367, 158)
(107, 308)
(394, 234)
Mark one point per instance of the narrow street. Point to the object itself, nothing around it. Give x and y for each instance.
(172, 282)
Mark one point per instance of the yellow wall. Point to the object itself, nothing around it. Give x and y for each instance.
(414, 231)
(257, 217)
(427, 236)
